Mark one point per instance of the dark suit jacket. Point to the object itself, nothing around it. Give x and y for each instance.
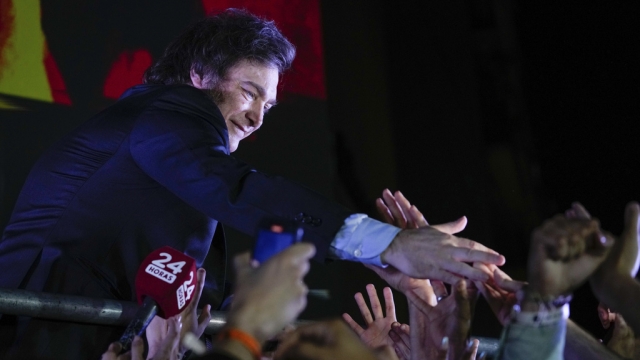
(152, 170)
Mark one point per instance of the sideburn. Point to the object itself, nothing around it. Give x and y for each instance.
(217, 95)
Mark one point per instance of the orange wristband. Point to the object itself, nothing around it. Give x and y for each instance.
(245, 339)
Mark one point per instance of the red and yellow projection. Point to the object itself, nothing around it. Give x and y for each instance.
(27, 69)
(126, 72)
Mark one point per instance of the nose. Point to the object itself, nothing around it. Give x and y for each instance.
(256, 115)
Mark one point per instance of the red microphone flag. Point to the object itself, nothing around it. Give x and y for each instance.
(168, 276)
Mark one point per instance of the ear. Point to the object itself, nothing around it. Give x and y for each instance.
(196, 80)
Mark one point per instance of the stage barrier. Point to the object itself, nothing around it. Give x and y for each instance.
(114, 312)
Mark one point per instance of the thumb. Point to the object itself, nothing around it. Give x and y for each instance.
(453, 227)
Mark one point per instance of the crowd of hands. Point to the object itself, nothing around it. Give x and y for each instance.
(565, 252)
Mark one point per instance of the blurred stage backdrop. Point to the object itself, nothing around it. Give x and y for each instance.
(502, 111)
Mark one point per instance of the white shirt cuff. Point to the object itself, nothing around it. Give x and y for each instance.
(350, 244)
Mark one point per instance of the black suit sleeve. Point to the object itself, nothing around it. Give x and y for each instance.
(181, 142)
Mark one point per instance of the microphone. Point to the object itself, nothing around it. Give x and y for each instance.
(165, 282)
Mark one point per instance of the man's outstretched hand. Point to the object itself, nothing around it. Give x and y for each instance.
(428, 253)
(422, 251)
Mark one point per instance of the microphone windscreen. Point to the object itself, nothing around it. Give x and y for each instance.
(169, 277)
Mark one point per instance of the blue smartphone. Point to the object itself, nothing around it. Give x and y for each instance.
(275, 235)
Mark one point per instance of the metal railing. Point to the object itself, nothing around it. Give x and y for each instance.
(112, 312)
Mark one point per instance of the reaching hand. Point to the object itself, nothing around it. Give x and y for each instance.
(272, 295)
(401, 336)
(499, 291)
(327, 340)
(423, 251)
(564, 253)
(450, 319)
(429, 253)
(188, 321)
(623, 261)
(377, 326)
(164, 338)
(396, 210)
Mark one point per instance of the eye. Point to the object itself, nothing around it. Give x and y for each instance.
(251, 95)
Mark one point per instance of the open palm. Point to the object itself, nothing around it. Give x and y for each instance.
(377, 326)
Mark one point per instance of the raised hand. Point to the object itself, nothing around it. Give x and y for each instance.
(401, 336)
(165, 339)
(622, 264)
(444, 328)
(499, 291)
(272, 295)
(378, 325)
(158, 331)
(564, 252)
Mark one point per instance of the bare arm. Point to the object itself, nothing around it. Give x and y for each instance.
(580, 345)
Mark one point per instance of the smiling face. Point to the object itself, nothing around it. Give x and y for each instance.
(244, 96)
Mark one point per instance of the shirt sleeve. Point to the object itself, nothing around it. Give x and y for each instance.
(534, 341)
(363, 239)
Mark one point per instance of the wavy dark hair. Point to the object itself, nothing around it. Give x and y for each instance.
(215, 44)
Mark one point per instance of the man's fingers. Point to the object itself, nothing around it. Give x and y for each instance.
(384, 212)
(476, 253)
(399, 217)
(464, 270)
(505, 282)
(453, 227)
(405, 206)
(445, 276)
(417, 217)
(352, 324)
(389, 304)
(376, 308)
(364, 309)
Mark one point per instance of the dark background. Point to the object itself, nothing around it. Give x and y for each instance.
(505, 112)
